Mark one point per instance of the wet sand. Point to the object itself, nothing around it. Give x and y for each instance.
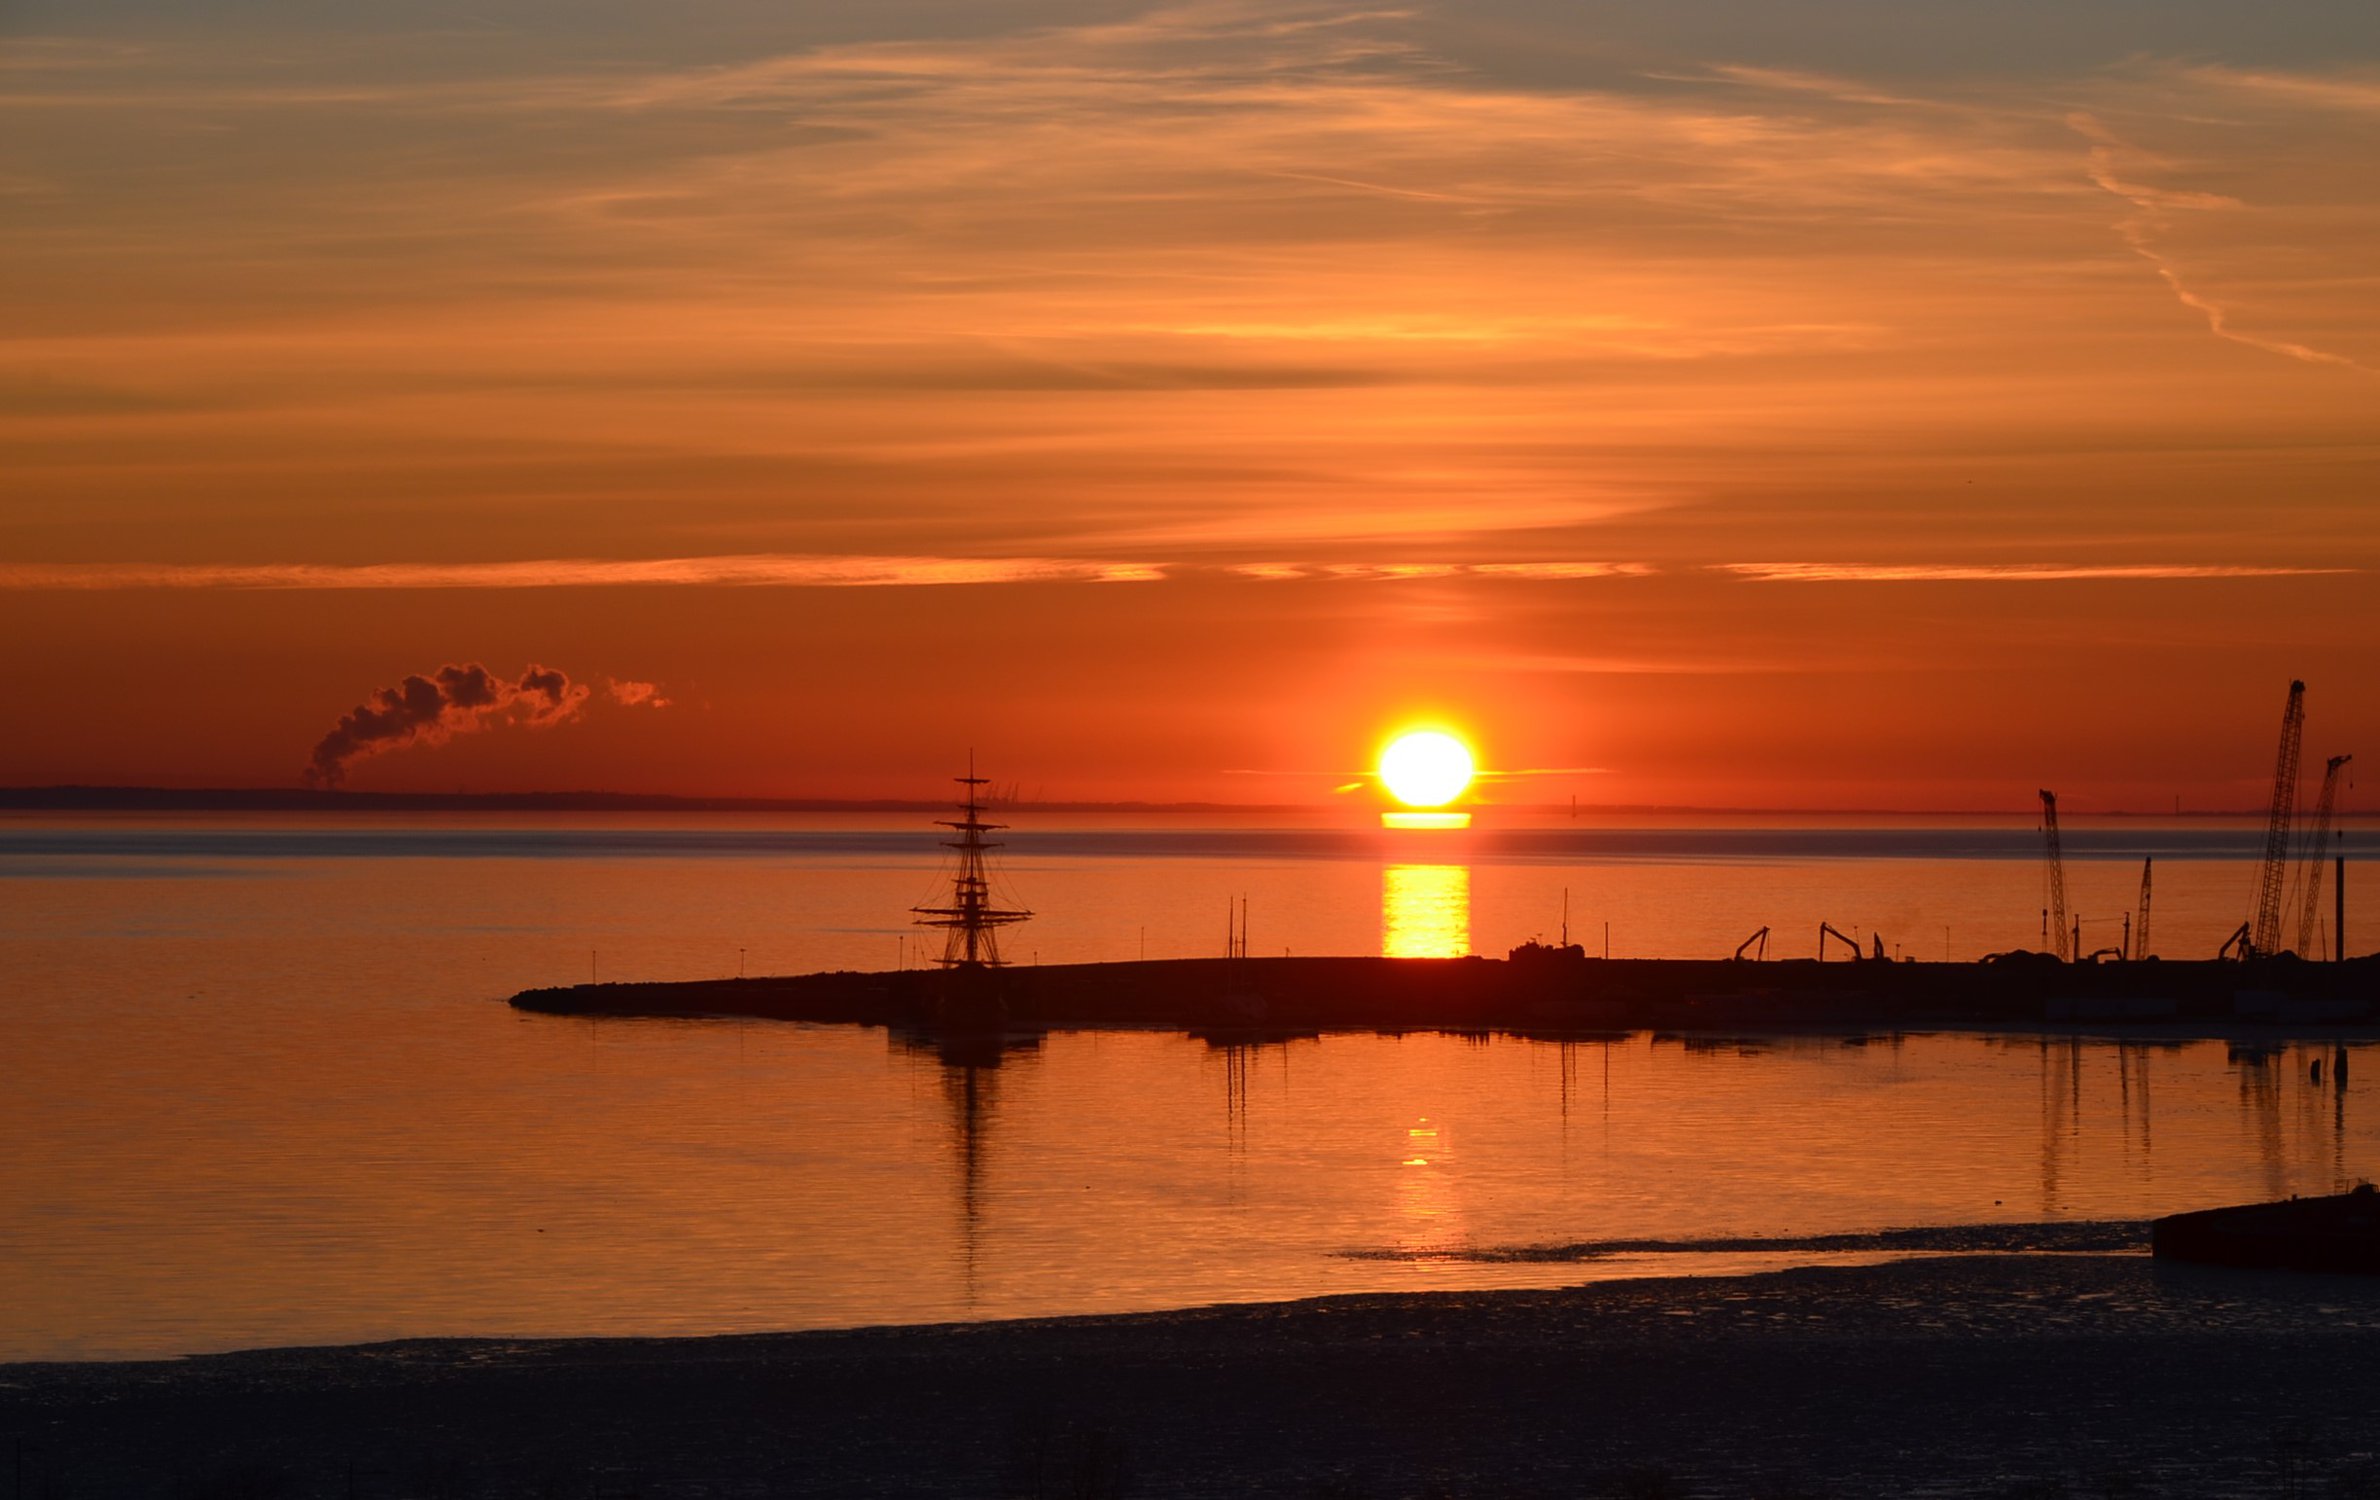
(2026, 1375)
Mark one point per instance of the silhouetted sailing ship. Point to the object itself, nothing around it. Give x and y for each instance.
(967, 999)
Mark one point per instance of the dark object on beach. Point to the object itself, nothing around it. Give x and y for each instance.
(2339, 1233)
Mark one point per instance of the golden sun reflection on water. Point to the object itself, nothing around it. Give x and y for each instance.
(1429, 1214)
(1425, 911)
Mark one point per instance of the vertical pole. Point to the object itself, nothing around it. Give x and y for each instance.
(2338, 909)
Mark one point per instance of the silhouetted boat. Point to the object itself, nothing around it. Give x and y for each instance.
(2337, 1233)
(967, 995)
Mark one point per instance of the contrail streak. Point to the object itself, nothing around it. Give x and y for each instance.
(2140, 230)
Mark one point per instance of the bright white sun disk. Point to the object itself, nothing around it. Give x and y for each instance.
(1426, 768)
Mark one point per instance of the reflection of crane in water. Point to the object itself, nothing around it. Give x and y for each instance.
(2260, 1101)
(2061, 1114)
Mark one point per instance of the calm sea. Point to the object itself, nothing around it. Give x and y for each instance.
(258, 1085)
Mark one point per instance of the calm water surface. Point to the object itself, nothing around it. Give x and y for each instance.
(258, 1085)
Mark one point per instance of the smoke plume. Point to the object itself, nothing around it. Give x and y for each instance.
(432, 710)
(634, 693)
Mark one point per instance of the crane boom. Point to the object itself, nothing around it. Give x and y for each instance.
(1829, 929)
(2053, 916)
(2265, 934)
(2311, 868)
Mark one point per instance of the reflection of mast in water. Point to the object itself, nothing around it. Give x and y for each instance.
(1236, 1061)
(969, 1089)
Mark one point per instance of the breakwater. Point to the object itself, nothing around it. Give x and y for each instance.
(1536, 990)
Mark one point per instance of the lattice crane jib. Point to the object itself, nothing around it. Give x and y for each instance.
(2053, 910)
(2315, 855)
(971, 918)
(2265, 932)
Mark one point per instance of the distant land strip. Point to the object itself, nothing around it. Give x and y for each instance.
(74, 798)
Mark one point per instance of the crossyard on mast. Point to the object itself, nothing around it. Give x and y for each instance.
(971, 919)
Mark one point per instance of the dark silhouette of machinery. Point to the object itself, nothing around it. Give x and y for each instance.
(1829, 929)
(2316, 847)
(2264, 932)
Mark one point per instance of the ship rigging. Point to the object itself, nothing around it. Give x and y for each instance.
(972, 921)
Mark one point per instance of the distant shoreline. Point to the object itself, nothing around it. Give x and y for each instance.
(76, 798)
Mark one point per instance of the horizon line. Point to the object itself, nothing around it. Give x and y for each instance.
(88, 797)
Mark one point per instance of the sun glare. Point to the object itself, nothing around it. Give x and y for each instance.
(1426, 768)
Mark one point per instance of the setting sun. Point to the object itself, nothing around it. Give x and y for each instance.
(1426, 768)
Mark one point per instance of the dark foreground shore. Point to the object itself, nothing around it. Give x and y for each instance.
(1995, 1376)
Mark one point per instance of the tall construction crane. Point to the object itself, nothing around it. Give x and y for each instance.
(2264, 933)
(2053, 915)
(2140, 929)
(2310, 869)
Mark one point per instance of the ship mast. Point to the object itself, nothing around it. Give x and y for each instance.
(971, 918)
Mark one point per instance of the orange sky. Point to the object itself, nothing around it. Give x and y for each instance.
(1890, 417)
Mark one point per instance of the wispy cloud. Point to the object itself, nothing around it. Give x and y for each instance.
(1399, 571)
(2144, 227)
(1829, 572)
(751, 571)
(747, 571)
(1216, 282)
(2354, 92)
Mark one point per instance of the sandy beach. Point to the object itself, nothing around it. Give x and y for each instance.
(2028, 1375)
